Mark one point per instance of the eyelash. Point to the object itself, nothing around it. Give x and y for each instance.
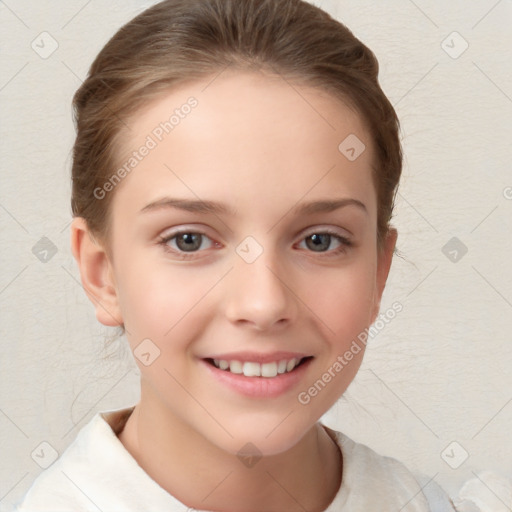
(345, 243)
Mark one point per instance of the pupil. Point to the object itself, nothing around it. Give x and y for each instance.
(320, 241)
(191, 241)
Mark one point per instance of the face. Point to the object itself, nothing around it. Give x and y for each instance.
(243, 237)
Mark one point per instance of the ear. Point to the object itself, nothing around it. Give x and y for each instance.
(384, 258)
(96, 273)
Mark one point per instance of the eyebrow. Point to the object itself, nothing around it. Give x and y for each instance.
(214, 207)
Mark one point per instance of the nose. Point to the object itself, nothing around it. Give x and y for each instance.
(260, 294)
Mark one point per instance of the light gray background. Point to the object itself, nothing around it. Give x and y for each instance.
(439, 372)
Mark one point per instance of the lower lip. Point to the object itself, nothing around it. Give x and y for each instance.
(259, 387)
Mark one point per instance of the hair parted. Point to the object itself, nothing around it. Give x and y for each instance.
(179, 41)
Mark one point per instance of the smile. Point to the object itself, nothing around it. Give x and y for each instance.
(254, 369)
(258, 376)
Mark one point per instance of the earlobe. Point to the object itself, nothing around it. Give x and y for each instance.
(95, 273)
(384, 259)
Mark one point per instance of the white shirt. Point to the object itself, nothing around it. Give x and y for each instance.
(97, 473)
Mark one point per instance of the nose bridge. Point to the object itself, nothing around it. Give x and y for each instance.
(258, 293)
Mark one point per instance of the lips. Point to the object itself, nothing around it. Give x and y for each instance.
(258, 375)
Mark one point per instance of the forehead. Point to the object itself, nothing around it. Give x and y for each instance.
(232, 100)
(246, 135)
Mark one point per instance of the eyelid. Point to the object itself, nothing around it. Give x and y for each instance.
(172, 233)
(183, 228)
(165, 238)
(341, 232)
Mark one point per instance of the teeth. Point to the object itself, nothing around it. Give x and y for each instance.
(251, 369)
(281, 367)
(290, 365)
(269, 370)
(235, 367)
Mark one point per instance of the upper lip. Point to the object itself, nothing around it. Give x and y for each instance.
(258, 357)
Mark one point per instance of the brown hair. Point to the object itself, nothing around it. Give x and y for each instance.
(178, 41)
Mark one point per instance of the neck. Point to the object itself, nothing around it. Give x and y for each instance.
(205, 477)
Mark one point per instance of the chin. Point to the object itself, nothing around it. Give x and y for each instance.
(272, 436)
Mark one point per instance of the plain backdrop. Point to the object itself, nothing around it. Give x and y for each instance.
(435, 388)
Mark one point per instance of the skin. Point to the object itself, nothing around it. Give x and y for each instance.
(261, 147)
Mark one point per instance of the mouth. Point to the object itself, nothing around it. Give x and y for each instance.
(267, 370)
(270, 378)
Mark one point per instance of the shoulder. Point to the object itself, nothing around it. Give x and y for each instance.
(57, 488)
(87, 474)
(370, 478)
(96, 472)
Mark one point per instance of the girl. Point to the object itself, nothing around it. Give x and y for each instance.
(234, 174)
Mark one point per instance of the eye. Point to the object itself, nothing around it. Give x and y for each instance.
(184, 242)
(321, 241)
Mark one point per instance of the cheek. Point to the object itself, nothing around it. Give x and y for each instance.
(344, 311)
(345, 302)
(159, 302)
